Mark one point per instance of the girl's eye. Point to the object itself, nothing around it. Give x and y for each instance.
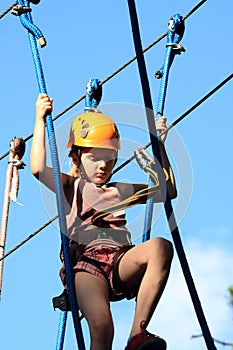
(94, 159)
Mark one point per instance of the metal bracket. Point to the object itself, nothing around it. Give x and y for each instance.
(61, 302)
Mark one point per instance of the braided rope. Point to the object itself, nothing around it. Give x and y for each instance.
(24, 18)
(167, 201)
(61, 330)
(11, 190)
(5, 212)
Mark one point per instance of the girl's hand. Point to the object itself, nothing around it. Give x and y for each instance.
(44, 106)
(160, 124)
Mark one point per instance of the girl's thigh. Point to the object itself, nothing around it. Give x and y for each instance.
(92, 295)
(156, 251)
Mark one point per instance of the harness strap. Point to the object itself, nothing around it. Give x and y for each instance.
(138, 198)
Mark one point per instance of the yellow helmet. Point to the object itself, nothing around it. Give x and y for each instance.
(94, 129)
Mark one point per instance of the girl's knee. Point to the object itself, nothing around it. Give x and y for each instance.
(101, 328)
(163, 247)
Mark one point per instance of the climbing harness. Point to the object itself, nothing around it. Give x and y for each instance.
(167, 201)
(138, 198)
(146, 162)
(34, 33)
(17, 149)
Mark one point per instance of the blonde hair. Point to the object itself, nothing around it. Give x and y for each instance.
(74, 171)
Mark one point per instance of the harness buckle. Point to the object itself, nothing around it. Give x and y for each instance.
(18, 10)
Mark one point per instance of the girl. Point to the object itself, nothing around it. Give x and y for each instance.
(107, 267)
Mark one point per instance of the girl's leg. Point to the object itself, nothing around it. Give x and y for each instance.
(147, 265)
(93, 301)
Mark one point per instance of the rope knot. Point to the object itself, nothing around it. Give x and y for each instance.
(176, 25)
(27, 22)
(17, 147)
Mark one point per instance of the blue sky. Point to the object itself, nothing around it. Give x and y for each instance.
(92, 40)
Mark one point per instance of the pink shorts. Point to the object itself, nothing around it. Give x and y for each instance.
(101, 258)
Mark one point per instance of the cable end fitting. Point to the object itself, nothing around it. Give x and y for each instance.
(42, 42)
(158, 74)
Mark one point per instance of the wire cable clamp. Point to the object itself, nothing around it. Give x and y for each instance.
(18, 163)
(177, 48)
(18, 10)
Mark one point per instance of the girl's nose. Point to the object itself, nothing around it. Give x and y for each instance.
(102, 164)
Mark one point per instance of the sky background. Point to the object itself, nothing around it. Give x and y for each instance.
(91, 40)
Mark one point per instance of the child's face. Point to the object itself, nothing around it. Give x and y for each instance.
(98, 164)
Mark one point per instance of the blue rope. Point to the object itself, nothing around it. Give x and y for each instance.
(57, 181)
(93, 94)
(61, 330)
(167, 203)
(175, 34)
(29, 25)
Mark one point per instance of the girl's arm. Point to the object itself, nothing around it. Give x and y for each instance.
(44, 106)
